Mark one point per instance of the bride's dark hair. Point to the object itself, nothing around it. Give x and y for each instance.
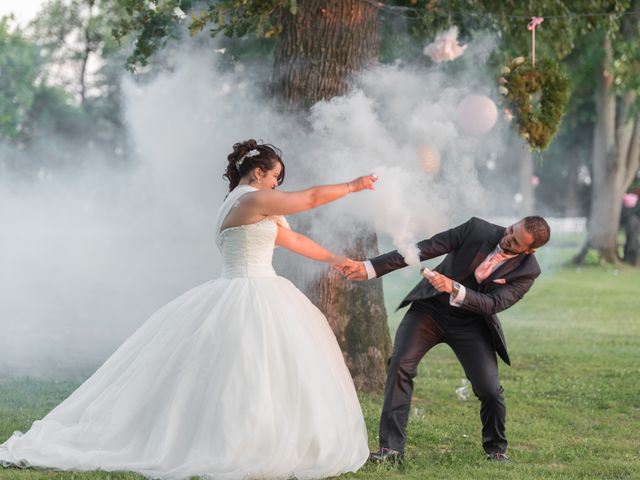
(243, 159)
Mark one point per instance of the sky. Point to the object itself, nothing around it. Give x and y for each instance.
(24, 10)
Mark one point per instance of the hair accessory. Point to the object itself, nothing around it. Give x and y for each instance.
(249, 154)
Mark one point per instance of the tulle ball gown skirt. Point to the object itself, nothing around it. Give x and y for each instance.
(239, 378)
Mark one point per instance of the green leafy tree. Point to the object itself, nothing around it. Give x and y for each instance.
(616, 146)
(565, 171)
(72, 35)
(19, 70)
(37, 112)
(30, 110)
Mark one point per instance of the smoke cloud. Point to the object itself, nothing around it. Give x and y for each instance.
(86, 256)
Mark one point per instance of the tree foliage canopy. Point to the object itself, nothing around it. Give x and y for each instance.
(19, 69)
(155, 20)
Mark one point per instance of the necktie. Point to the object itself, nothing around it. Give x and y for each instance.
(489, 265)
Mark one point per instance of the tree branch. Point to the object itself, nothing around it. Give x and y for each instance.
(624, 132)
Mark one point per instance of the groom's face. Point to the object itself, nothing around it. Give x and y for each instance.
(516, 239)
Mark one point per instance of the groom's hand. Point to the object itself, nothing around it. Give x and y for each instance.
(357, 272)
(351, 269)
(441, 283)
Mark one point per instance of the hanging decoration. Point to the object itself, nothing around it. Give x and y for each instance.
(536, 94)
(535, 21)
(429, 159)
(477, 114)
(445, 47)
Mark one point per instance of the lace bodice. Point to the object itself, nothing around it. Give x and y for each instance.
(247, 250)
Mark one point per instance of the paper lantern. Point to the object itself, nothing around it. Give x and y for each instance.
(429, 159)
(477, 114)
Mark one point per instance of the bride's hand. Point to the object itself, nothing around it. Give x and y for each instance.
(351, 269)
(365, 182)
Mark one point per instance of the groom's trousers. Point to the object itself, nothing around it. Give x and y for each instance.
(426, 324)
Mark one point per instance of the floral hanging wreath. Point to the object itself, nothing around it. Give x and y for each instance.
(520, 82)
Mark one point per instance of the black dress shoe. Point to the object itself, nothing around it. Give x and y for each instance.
(497, 457)
(386, 455)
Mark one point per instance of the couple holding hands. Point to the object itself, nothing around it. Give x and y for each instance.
(241, 377)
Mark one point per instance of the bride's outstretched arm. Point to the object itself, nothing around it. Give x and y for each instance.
(273, 202)
(303, 245)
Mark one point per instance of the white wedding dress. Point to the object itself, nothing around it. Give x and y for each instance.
(238, 378)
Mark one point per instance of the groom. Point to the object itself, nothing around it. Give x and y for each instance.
(487, 269)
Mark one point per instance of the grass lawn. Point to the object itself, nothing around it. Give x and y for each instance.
(573, 392)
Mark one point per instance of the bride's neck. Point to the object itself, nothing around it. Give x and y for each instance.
(247, 182)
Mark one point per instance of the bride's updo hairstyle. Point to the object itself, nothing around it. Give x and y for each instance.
(249, 155)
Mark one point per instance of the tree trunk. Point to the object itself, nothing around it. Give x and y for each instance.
(318, 52)
(83, 76)
(88, 48)
(320, 49)
(615, 139)
(357, 315)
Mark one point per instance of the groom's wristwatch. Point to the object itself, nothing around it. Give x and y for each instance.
(455, 289)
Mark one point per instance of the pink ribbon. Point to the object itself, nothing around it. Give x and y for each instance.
(535, 21)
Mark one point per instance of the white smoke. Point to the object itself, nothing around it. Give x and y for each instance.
(87, 256)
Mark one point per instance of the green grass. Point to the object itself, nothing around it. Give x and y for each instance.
(573, 392)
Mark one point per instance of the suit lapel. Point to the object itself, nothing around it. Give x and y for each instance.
(487, 247)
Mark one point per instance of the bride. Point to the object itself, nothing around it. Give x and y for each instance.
(238, 378)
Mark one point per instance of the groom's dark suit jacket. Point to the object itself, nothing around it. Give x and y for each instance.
(466, 247)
